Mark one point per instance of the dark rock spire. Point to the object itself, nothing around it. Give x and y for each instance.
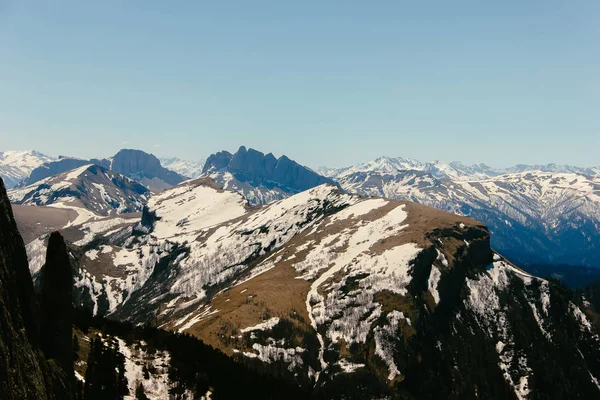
(56, 304)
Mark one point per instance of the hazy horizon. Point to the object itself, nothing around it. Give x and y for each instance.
(204, 157)
(331, 84)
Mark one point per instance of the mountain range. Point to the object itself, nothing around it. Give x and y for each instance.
(135, 164)
(454, 170)
(382, 298)
(16, 166)
(540, 216)
(348, 285)
(535, 217)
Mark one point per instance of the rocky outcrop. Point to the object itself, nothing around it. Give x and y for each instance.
(55, 301)
(25, 373)
(135, 164)
(144, 168)
(261, 178)
(217, 161)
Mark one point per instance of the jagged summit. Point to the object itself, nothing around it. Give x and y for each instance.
(261, 178)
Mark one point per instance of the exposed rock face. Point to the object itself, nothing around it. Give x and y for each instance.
(217, 161)
(135, 164)
(144, 168)
(24, 371)
(261, 178)
(56, 304)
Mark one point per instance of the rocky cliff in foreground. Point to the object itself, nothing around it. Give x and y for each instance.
(25, 372)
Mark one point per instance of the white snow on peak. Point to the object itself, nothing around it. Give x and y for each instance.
(449, 170)
(16, 166)
(24, 160)
(190, 169)
(76, 173)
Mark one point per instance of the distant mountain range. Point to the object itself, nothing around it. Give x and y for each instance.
(535, 217)
(16, 166)
(453, 170)
(190, 169)
(538, 214)
(135, 164)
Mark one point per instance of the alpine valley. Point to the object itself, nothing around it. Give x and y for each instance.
(254, 276)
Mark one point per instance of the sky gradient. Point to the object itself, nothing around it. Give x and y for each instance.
(326, 84)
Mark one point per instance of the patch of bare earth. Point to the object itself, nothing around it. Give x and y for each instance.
(35, 221)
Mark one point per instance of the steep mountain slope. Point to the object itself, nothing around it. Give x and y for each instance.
(144, 168)
(361, 297)
(63, 164)
(24, 370)
(112, 359)
(90, 188)
(16, 166)
(533, 216)
(260, 178)
(190, 169)
(167, 365)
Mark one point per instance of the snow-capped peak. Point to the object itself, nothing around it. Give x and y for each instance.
(189, 169)
(16, 166)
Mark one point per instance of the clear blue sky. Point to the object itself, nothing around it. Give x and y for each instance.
(325, 82)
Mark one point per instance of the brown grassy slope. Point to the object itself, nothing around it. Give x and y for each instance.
(278, 292)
